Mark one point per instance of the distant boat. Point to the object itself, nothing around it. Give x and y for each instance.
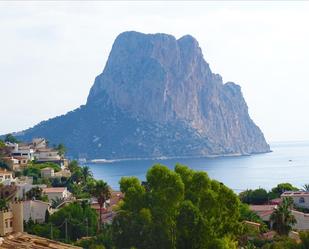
(290, 160)
(101, 161)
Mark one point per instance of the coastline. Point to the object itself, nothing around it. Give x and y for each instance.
(103, 160)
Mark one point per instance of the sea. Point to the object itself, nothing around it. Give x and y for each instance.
(288, 162)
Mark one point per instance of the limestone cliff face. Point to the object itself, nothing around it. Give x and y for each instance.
(158, 97)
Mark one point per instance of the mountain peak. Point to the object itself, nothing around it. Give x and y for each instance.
(157, 96)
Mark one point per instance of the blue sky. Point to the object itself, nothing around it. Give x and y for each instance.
(52, 51)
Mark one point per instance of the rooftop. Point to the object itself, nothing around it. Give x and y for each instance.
(5, 171)
(47, 169)
(28, 241)
(54, 190)
(294, 193)
(262, 208)
(46, 150)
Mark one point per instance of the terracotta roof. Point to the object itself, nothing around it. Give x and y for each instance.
(276, 201)
(295, 193)
(21, 157)
(54, 190)
(28, 241)
(265, 213)
(269, 235)
(46, 150)
(262, 208)
(47, 168)
(252, 223)
(5, 171)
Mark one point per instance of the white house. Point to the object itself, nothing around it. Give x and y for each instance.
(24, 187)
(39, 143)
(300, 198)
(47, 155)
(36, 210)
(5, 175)
(59, 192)
(47, 172)
(25, 151)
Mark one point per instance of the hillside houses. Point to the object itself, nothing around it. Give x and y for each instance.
(300, 201)
(61, 193)
(300, 198)
(18, 155)
(44, 188)
(5, 175)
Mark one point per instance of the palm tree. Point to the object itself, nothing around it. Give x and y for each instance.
(86, 172)
(102, 192)
(282, 217)
(3, 204)
(306, 187)
(56, 202)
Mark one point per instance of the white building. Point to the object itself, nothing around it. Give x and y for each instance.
(24, 187)
(5, 175)
(23, 151)
(36, 210)
(300, 198)
(47, 155)
(39, 143)
(47, 172)
(57, 193)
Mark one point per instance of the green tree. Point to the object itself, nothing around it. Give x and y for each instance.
(10, 138)
(102, 192)
(282, 187)
(176, 209)
(56, 202)
(86, 172)
(257, 196)
(306, 187)
(3, 204)
(61, 149)
(282, 217)
(73, 166)
(2, 144)
(304, 237)
(247, 215)
(37, 194)
(80, 220)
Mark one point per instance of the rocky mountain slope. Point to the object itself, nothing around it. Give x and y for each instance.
(156, 97)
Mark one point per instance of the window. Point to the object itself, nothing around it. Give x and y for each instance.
(6, 224)
(11, 223)
(301, 200)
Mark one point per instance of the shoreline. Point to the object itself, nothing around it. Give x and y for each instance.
(103, 160)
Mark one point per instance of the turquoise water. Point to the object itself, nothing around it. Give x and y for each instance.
(289, 162)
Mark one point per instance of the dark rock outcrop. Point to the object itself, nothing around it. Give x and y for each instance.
(156, 97)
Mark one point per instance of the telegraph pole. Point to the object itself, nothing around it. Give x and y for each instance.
(66, 229)
(87, 226)
(51, 231)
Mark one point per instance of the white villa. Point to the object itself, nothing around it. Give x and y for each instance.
(59, 192)
(25, 151)
(36, 210)
(300, 198)
(5, 175)
(47, 172)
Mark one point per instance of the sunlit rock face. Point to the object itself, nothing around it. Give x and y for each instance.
(157, 97)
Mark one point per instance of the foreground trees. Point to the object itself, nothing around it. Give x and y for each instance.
(176, 209)
(68, 224)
